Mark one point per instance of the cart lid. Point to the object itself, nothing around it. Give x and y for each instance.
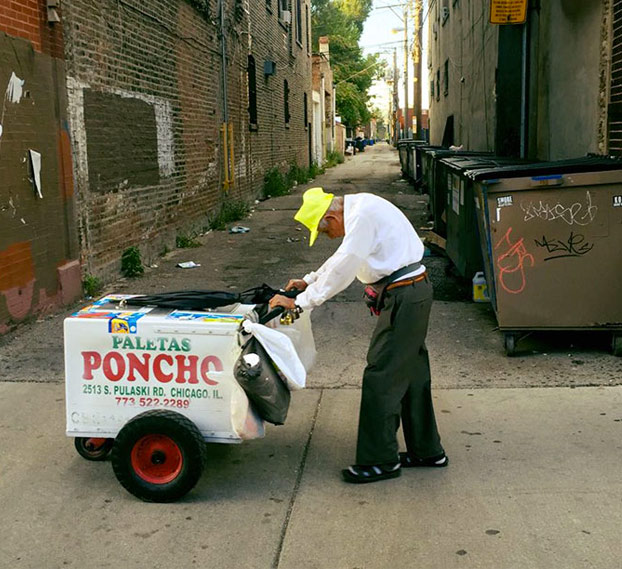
(559, 167)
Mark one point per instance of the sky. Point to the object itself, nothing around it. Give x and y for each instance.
(377, 37)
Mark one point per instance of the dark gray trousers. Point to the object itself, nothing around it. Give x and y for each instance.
(396, 381)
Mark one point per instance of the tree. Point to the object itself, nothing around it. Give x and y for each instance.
(342, 21)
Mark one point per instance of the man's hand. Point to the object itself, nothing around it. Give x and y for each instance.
(280, 300)
(298, 284)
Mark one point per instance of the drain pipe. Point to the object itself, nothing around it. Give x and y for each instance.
(223, 45)
(524, 91)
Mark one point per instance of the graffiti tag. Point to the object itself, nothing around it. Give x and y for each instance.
(511, 262)
(574, 246)
(576, 214)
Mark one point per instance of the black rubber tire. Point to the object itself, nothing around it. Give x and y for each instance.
(188, 440)
(509, 343)
(616, 345)
(98, 454)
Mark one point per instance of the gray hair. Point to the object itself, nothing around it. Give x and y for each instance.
(335, 205)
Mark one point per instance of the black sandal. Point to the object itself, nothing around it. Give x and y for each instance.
(409, 461)
(357, 474)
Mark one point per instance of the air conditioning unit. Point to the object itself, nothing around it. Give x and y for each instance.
(286, 17)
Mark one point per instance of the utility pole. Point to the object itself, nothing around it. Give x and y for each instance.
(418, 84)
(396, 104)
(406, 123)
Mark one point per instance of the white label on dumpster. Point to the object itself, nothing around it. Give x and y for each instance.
(504, 201)
(617, 201)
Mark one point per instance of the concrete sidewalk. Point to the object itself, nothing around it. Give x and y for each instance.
(534, 482)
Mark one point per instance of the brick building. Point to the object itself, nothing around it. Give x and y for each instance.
(175, 105)
(39, 267)
(323, 103)
(147, 117)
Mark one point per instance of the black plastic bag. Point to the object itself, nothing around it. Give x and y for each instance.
(205, 299)
(267, 392)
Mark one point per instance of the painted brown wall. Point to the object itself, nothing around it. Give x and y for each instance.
(39, 270)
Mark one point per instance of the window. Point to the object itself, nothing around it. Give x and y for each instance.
(269, 5)
(299, 23)
(285, 14)
(252, 94)
(445, 11)
(305, 104)
(438, 84)
(446, 78)
(286, 102)
(308, 22)
(432, 90)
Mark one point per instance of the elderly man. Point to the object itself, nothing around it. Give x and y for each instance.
(381, 249)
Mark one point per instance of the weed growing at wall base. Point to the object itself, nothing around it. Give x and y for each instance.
(274, 184)
(131, 263)
(91, 285)
(186, 242)
(230, 210)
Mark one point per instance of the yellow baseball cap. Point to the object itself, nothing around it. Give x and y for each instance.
(315, 203)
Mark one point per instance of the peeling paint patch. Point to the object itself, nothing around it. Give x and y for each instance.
(14, 89)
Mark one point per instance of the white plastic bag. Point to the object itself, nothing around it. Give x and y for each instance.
(301, 335)
(282, 351)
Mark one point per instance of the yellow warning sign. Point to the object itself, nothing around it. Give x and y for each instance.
(508, 11)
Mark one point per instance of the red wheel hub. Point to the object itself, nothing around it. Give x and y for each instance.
(157, 459)
(94, 444)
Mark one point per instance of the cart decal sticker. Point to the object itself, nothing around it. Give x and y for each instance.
(113, 298)
(125, 323)
(206, 317)
(576, 214)
(617, 201)
(511, 263)
(574, 246)
(505, 201)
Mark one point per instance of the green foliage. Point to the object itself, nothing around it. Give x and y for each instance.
(297, 174)
(91, 285)
(315, 170)
(186, 242)
(333, 158)
(131, 263)
(230, 210)
(342, 21)
(275, 184)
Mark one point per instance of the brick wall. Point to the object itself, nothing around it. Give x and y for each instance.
(27, 19)
(38, 248)
(146, 106)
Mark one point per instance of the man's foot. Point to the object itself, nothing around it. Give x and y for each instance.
(409, 461)
(357, 474)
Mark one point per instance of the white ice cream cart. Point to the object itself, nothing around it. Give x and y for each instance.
(151, 385)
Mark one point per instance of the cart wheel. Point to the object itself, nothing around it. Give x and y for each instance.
(93, 448)
(616, 345)
(158, 456)
(509, 343)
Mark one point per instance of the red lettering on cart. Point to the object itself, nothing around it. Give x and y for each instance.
(190, 367)
(119, 364)
(92, 360)
(142, 367)
(205, 367)
(157, 369)
(163, 368)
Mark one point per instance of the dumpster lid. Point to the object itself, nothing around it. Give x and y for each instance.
(559, 167)
(464, 164)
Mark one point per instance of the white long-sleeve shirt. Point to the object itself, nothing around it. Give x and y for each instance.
(378, 241)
